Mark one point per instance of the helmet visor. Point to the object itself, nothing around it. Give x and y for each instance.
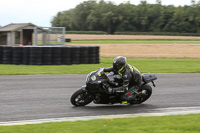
(118, 67)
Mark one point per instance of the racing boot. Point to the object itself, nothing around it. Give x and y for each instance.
(131, 97)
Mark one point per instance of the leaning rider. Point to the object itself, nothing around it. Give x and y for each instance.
(129, 75)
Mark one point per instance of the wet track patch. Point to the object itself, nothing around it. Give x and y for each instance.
(154, 112)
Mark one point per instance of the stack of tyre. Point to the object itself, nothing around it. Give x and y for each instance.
(7, 55)
(35, 56)
(17, 55)
(66, 55)
(1, 54)
(75, 54)
(46, 55)
(56, 56)
(93, 55)
(84, 55)
(26, 55)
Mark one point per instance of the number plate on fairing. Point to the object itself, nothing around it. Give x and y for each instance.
(93, 78)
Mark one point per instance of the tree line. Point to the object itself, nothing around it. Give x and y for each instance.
(109, 17)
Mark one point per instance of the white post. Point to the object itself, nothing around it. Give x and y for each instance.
(63, 35)
(35, 36)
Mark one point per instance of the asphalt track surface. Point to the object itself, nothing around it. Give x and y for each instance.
(29, 97)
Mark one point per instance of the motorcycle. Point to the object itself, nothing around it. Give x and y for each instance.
(98, 85)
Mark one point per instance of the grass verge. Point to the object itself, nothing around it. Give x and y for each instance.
(164, 124)
(153, 65)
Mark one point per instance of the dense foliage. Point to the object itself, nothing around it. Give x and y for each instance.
(109, 17)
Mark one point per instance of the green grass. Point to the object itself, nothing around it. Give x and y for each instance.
(164, 124)
(135, 42)
(153, 65)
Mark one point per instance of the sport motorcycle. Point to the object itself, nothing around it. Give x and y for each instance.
(99, 86)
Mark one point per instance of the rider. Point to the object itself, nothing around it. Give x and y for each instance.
(130, 78)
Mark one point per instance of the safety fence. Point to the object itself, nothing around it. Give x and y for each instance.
(49, 55)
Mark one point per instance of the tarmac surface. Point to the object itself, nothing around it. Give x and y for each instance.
(30, 97)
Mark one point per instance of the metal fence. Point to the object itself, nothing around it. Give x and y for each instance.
(49, 36)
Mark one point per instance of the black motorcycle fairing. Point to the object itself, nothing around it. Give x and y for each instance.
(101, 98)
(105, 98)
(95, 81)
(97, 77)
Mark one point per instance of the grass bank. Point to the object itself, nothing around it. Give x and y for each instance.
(153, 65)
(164, 124)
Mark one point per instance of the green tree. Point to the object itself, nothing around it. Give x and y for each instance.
(155, 17)
(106, 16)
(128, 20)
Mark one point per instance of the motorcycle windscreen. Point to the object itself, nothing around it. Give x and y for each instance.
(95, 81)
(97, 78)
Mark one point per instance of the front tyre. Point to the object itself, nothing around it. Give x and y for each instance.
(144, 93)
(81, 98)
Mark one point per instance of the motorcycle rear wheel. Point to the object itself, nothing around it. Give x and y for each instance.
(81, 98)
(145, 92)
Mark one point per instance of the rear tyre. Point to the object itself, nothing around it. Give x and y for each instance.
(81, 98)
(145, 92)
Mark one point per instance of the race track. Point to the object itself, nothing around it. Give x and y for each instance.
(28, 97)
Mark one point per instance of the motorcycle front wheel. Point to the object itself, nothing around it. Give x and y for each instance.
(144, 93)
(81, 98)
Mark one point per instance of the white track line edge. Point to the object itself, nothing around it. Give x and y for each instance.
(162, 112)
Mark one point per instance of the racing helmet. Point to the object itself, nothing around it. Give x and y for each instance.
(119, 63)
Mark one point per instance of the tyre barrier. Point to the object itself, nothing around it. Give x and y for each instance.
(84, 55)
(35, 56)
(75, 55)
(66, 55)
(56, 56)
(17, 55)
(49, 55)
(26, 55)
(94, 55)
(7, 55)
(1, 55)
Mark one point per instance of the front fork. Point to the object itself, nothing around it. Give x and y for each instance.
(83, 88)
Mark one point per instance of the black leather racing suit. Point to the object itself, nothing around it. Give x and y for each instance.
(130, 80)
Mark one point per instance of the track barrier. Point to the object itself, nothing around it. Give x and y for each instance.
(49, 55)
